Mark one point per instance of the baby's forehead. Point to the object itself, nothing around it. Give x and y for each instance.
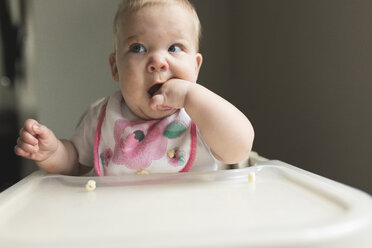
(123, 20)
(126, 14)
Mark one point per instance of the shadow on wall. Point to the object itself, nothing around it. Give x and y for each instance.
(10, 163)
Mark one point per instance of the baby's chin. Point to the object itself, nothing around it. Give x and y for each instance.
(161, 114)
(155, 114)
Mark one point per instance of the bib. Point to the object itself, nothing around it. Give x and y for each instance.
(136, 146)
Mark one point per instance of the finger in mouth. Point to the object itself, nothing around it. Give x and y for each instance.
(153, 89)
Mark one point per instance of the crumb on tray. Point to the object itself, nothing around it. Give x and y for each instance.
(251, 177)
(90, 186)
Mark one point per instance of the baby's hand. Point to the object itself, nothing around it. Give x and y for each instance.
(172, 94)
(36, 141)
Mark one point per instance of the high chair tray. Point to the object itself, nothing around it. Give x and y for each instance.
(272, 204)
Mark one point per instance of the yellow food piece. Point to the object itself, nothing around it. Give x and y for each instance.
(142, 172)
(90, 186)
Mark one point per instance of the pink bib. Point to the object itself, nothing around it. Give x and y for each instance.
(124, 146)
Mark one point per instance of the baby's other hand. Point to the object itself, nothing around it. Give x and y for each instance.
(172, 94)
(35, 141)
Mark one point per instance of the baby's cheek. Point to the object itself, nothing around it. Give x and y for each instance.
(129, 74)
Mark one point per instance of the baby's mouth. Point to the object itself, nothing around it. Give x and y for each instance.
(153, 89)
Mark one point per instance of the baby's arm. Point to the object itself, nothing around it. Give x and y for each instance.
(226, 130)
(37, 142)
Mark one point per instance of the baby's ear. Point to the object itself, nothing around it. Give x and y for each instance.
(199, 60)
(114, 68)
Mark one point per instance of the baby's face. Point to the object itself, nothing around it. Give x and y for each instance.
(155, 44)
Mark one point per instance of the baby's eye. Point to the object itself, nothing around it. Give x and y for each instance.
(174, 49)
(137, 48)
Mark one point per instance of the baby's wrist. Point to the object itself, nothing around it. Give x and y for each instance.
(192, 88)
(51, 154)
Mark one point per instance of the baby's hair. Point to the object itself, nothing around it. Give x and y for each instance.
(131, 6)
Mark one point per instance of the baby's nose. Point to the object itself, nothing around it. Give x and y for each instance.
(158, 63)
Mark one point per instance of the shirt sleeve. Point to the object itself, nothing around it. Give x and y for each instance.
(85, 132)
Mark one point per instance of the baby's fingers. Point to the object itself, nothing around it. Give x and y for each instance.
(20, 152)
(29, 126)
(27, 147)
(27, 137)
(37, 130)
(156, 101)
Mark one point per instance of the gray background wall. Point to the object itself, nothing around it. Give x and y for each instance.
(300, 70)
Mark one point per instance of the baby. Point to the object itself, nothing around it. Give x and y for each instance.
(161, 120)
